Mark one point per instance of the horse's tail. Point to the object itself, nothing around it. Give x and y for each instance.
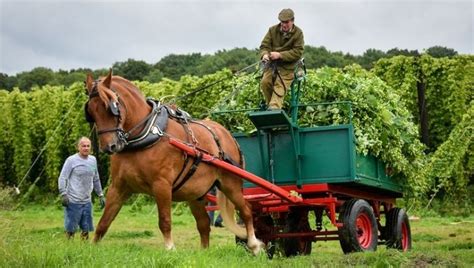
(227, 213)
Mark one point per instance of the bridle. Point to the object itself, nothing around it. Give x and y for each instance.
(114, 108)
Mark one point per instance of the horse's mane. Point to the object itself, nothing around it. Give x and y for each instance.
(107, 94)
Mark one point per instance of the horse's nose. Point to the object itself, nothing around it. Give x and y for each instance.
(110, 148)
(113, 148)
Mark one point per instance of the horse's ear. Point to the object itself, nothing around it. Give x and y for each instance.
(108, 79)
(89, 82)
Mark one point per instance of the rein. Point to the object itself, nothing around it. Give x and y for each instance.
(196, 90)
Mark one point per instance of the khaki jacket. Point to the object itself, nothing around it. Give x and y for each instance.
(290, 45)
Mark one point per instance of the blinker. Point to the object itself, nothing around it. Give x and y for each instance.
(114, 109)
(88, 116)
(113, 106)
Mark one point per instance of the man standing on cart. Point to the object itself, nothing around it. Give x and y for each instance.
(280, 50)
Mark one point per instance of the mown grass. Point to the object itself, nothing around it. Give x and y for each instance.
(33, 237)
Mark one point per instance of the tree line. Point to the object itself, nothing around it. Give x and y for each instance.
(174, 66)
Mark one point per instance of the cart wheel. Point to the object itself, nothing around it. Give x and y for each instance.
(264, 228)
(297, 221)
(359, 231)
(397, 229)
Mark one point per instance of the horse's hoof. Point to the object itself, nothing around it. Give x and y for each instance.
(257, 248)
(170, 247)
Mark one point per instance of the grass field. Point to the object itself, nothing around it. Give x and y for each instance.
(33, 237)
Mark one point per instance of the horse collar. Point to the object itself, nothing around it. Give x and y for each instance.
(155, 125)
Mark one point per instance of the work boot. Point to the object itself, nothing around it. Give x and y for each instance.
(69, 235)
(85, 236)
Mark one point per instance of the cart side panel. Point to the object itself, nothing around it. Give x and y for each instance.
(371, 171)
(255, 159)
(327, 154)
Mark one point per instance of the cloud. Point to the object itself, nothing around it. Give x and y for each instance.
(95, 34)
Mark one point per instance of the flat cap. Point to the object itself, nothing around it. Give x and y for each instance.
(286, 14)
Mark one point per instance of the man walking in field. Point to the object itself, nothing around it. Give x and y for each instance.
(281, 48)
(78, 177)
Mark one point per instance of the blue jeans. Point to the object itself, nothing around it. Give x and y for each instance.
(78, 215)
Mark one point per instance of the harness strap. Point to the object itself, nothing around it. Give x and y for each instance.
(191, 171)
(216, 138)
(216, 184)
(189, 138)
(231, 161)
(189, 131)
(223, 155)
(184, 122)
(186, 161)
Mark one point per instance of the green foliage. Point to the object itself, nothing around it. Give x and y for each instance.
(401, 52)
(39, 76)
(7, 197)
(39, 127)
(452, 163)
(383, 127)
(234, 60)
(201, 104)
(317, 57)
(8, 82)
(20, 140)
(132, 69)
(440, 52)
(371, 56)
(154, 76)
(449, 95)
(401, 73)
(450, 89)
(174, 66)
(70, 78)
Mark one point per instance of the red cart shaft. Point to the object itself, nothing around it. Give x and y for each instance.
(282, 193)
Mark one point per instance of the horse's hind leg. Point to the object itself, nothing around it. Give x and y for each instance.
(115, 199)
(231, 186)
(198, 208)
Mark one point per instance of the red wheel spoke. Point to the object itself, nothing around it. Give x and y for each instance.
(364, 230)
(404, 237)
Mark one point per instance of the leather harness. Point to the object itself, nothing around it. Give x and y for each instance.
(155, 126)
(185, 119)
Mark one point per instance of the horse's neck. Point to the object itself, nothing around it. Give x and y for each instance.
(137, 110)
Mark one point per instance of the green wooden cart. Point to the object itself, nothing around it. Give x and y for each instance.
(295, 177)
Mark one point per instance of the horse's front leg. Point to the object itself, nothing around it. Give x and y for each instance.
(198, 208)
(115, 198)
(162, 196)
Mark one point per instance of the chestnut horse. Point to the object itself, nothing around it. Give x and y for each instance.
(119, 109)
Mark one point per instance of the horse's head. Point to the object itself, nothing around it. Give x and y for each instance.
(105, 109)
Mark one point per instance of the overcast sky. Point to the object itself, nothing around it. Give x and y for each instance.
(66, 34)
